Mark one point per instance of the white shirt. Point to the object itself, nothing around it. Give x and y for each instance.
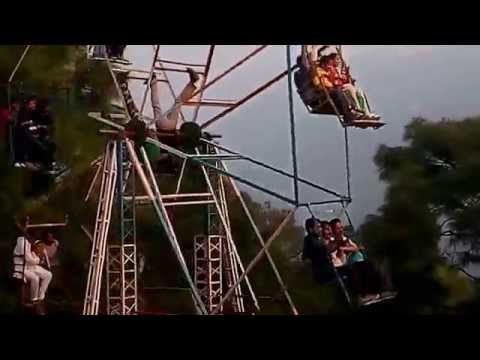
(339, 258)
(23, 252)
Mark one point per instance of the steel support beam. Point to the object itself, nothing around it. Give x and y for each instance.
(257, 258)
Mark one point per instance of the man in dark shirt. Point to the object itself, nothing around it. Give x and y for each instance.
(23, 144)
(44, 147)
(317, 252)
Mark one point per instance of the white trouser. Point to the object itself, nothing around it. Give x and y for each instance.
(358, 96)
(168, 121)
(39, 279)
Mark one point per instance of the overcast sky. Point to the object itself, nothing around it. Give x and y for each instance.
(401, 82)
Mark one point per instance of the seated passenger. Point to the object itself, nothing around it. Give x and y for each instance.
(316, 250)
(44, 147)
(48, 248)
(44, 116)
(27, 267)
(340, 76)
(24, 124)
(322, 80)
(338, 256)
(366, 281)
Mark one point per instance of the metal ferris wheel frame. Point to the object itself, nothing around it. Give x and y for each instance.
(230, 107)
(220, 156)
(223, 154)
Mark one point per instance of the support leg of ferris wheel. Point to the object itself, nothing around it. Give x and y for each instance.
(121, 271)
(258, 257)
(261, 240)
(208, 256)
(127, 303)
(230, 258)
(208, 269)
(102, 222)
(213, 253)
(155, 197)
(230, 261)
(122, 256)
(229, 235)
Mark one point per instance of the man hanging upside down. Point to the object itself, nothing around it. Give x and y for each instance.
(168, 121)
(164, 124)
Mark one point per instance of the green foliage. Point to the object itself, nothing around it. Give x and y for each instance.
(432, 194)
(58, 73)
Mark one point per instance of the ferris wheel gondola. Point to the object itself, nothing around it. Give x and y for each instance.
(317, 98)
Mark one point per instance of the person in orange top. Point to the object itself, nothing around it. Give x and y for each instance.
(340, 77)
(323, 79)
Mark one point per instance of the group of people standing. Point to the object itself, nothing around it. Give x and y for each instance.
(33, 262)
(336, 258)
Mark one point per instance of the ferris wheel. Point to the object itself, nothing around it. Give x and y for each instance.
(139, 147)
(220, 277)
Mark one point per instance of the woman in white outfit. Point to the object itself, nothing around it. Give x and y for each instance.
(27, 267)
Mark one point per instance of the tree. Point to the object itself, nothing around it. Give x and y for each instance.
(431, 206)
(58, 73)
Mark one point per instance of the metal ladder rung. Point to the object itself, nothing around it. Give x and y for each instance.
(176, 70)
(216, 103)
(181, 63)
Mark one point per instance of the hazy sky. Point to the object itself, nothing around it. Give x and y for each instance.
(401, 82)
